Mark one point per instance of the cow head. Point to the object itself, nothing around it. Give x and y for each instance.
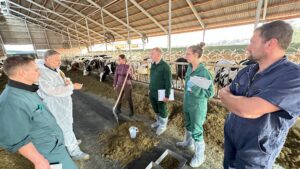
(69, 67)
(113, 67)
(181, 69)
(224, 75)
(104, 69)
(86, 67)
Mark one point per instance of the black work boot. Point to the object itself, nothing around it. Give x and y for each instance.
(131, 112)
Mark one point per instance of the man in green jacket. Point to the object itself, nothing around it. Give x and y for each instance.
(160, 79)
(26, 125)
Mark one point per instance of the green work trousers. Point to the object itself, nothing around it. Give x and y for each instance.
(159, 107)
(194, 116)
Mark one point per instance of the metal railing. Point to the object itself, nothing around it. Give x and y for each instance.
(210, 58)
(178, 83)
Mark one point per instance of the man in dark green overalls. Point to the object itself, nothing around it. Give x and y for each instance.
(160, 79)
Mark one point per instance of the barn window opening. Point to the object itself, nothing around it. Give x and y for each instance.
(13, 50)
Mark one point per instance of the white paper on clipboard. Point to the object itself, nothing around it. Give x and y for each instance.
(56, 166)
(201, 82)
(161, 95)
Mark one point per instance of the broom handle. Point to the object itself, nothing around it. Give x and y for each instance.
(129, 69)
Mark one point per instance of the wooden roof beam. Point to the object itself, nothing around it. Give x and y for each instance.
(122, 10)
(61, 16)
(34, 19)
(257, 14)
(84, 16)
(278, 5)
(227, 23)
(167, 3)
(113, 16)
(148, 15)
(48, 19)
(196, 13)
(265, 10)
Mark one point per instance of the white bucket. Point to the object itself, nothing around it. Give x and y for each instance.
(133, 131)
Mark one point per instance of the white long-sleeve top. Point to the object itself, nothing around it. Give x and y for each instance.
(56, 94)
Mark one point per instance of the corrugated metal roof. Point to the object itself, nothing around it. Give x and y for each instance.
(213, 13)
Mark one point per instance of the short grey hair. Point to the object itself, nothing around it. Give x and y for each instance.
(50, 52)
(157, 49)
(279, 30)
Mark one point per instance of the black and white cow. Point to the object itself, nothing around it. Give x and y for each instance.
(103, 56)
(78, 63)
(142, 68)
(66, 62)
(181, 69)
(225, 71)
(1, 65)
(104, 67)
(180, 72)
(107, 67)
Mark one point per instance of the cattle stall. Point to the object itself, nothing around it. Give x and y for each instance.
(222, 74)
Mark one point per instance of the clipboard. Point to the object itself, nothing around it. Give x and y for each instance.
(161, 95)
(201, 82)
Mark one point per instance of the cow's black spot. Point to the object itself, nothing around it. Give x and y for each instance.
(181, 69)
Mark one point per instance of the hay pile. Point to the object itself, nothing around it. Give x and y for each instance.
(290, 154)
(13, 161)
(169, 162)
(142, 105)
(119, 146)
(92, 84)
(214, 124)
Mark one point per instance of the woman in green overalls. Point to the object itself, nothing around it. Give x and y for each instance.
(195, 103)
